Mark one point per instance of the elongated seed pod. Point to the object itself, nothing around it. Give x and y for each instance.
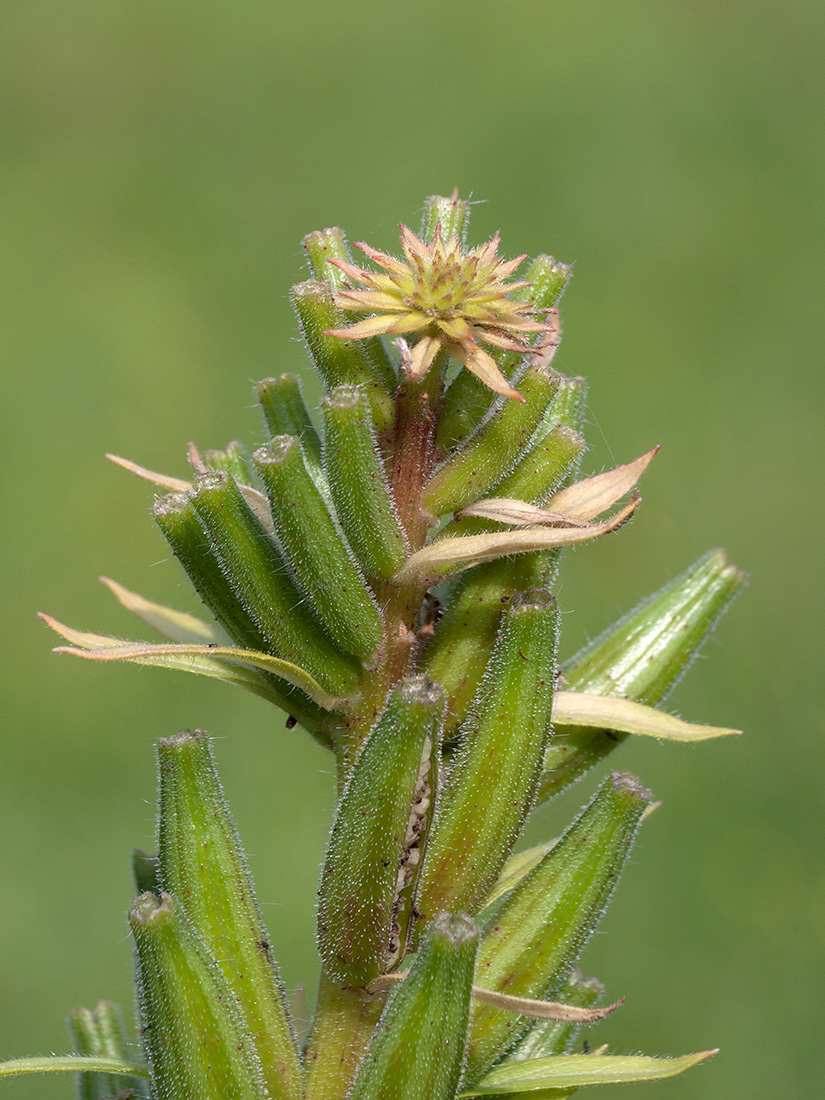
(547, 1037)
(641, 657)
(176, 518)
(285, 413)
(490, 788)
(551, 914)
(102, 1032)
(417, 1051)
(451, 214)
(338, 360)
(467, 400)
(195, 1038)
(330, 244)
(494, 448)
(313, 547)
(201, 862)
(463, 640)
(377, 825)
(234, 458)
(257, 575)
(358, 484)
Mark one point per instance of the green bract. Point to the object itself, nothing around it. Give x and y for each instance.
(385, 573)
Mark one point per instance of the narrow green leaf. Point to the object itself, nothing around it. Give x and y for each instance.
(177, 626)
(205, 659)
(447, 556)
(72, 1063)
(574, 1070)
(576, 708)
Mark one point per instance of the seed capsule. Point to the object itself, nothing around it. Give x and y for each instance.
(321, 563)
(417, 1050)
(367, 871)
(201, 863)
(490, 788)
(358, 484)
(641, 657)
(546, 921)
(286, 413)
(257, 575)
(193, 1032)
(341, 361)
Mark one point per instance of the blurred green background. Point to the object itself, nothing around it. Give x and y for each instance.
(161, 162)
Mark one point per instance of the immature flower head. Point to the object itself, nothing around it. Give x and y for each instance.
(451, 298)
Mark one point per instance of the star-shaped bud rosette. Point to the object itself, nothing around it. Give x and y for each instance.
(451, 298)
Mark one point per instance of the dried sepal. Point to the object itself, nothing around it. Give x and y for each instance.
(577, 708)
(177, 626)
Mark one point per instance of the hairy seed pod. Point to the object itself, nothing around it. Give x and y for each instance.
(257, 574)
(490, 788)
(234, 458)
(550, 915)
(102, 1032)
(377, 826)
(201, 863)
(358, 484)
(494, 448)
(417, 1051)
(450, 215)
(318, 558)
(641, 657)
(176, 518)
(286, 413)
(195, 1038)
(340, 361)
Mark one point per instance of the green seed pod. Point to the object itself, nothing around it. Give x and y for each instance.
(176, 518)
(375, 842)
(324, 245)
(340, 361)
(234, 458)
(452, 214)
(203, 866)
(195, 1038)
(463, 640)
(417, 1051)
(551, 914)
(547, 1037)
(256, 573)
(102, 1033)
(358, 484)
(491, 786)
(285, 413)
(314, 550)
(467, 400)
(641, 657)
(494, 448)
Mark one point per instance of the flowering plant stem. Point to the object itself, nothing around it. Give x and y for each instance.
(385, 575)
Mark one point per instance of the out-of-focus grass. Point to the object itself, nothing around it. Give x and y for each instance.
(160, 163)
